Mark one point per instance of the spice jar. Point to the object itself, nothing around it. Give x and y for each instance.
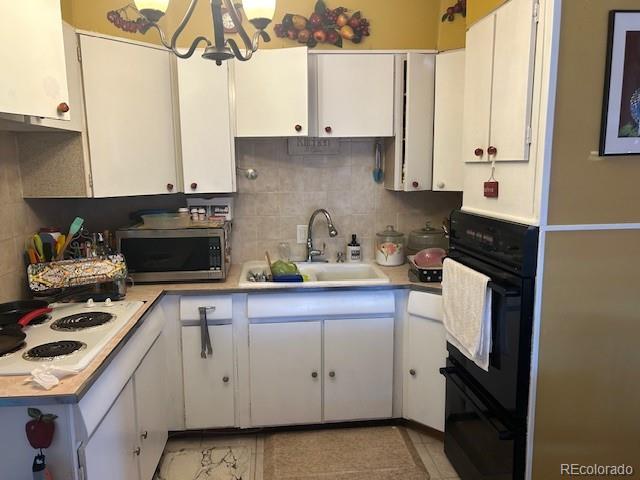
(390, 247)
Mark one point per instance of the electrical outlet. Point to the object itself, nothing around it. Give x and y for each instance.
(302, 234)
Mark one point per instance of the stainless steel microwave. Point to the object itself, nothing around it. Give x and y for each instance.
(176, 255)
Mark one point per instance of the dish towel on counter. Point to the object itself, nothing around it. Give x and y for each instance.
(466, 301)
(47, 376)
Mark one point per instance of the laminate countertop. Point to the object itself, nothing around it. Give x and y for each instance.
(15, 390)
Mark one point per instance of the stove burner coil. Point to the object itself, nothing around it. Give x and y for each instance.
(53, 350)
(82, 321)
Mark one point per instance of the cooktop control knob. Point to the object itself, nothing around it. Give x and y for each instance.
(90, 303)
(108, 303)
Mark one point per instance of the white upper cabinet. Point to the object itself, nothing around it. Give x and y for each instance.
(448, 115)
(130, 117)
(355, 95)
(409, 155)
(358, 369)
(34, 77)
(498, 87)
(272, 94)
(208, 148)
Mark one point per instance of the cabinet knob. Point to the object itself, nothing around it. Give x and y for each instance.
(225, 379)
(478, 152)
(194, 185)
(63, 107)
(298, 128)
(415, 184)
(412, 372)
(440, 184)
(332, 374)
(144, 435)
(137, 451)
(492, 150)
(170, 187)
(328, 129)
(314, 374)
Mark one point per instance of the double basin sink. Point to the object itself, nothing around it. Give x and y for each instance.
(320, 274)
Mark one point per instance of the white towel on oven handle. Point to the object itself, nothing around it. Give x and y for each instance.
(466, 299)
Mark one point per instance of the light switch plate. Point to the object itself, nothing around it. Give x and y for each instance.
(302, 234)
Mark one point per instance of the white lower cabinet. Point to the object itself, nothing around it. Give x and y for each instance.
(424, 399)
(208, 382)
(131, 437)
(285, 365)
(110, 452)
(151, 409)
(358, 369)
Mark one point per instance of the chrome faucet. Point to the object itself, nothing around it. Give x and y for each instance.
(312, 253)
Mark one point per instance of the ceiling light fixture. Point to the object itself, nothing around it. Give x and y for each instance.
(259, 12)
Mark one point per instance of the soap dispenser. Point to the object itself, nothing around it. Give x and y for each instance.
(354, 250)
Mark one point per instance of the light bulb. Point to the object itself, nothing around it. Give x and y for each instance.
(152, 10)
(259, 9)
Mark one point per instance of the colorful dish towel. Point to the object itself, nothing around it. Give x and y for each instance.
(466, 301)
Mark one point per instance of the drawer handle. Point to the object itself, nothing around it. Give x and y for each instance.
(194, 185)
(415, 184)
(298, 128)
(225, 379)
(328, 129)
(205, 339)
(137, 451)
(478, 152)
(170, 187)
(314, 374)
(412, 372)
(63, 107)
(332, 374)
(144, 435)
(492, 150)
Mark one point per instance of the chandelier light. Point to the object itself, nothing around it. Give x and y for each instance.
(259, 12)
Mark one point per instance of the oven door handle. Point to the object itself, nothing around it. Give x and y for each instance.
(503, 434)
(205, 339)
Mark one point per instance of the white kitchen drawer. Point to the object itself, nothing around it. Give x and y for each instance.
(219, 307)
(426, 305)
(298, 305)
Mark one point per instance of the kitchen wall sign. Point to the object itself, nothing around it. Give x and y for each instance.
(324, 25)
(313, 146)
(620, 132)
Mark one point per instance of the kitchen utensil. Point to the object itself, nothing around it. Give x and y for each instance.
(390, 247)
(74, 228)
(268, 257)
(429, 257)
(13, 311)
(427, 237)
(427, 275)
(33, 257)
(12, 336)
(37, 245)
(60, 241)
(378, 174)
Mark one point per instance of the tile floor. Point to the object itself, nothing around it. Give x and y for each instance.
(240, 457)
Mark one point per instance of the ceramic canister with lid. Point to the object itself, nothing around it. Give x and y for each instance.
(390, 247)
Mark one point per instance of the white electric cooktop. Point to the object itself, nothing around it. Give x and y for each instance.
(69, 337)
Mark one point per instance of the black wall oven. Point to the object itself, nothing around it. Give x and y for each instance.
(486, 411)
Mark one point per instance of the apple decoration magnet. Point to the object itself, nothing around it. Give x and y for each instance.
(491, 186)
(40, 431)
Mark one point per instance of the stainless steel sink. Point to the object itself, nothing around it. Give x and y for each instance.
(322, 274)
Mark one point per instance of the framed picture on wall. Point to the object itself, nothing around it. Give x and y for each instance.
(620, 133)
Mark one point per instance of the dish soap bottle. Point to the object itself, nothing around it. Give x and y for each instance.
(354, 251)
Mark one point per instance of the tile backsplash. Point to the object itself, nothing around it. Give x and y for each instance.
(289, 188)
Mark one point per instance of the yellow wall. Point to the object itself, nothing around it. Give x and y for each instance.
(477, 9)
(401, 24)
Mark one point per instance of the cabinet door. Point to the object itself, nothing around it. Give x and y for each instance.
(513, 63)
(208, 149)
(477, 90)
(355, 95)
(75, 115)
(285, 364)
(272, 94)
(110, 452)
(128, 98)
(418, 145)
(151, 408)
(208, 382)
(34, 78)
(449, 105)
(427, 353)
(358, 369)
